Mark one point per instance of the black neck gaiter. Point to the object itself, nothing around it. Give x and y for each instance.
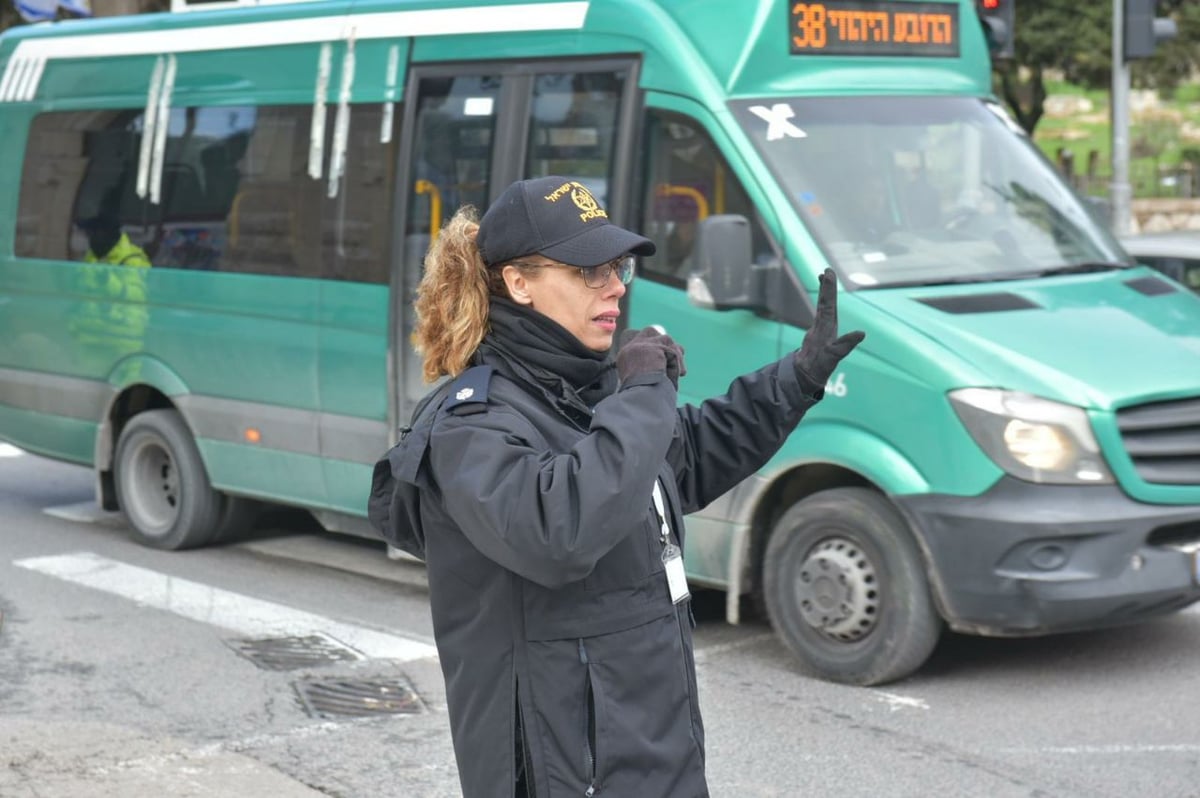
(560, 364)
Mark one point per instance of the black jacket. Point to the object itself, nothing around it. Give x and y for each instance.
(550, 607)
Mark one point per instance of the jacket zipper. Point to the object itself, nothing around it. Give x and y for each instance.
(589, 756)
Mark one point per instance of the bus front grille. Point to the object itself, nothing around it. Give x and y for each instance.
(1163, 440)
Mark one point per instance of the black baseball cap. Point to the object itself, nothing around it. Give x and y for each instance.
(556, 217)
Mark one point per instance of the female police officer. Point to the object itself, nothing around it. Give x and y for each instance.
(545, 487)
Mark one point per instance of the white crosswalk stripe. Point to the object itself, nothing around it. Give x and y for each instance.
(245, 615)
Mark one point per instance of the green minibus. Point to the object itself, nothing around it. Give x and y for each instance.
(1014, 450)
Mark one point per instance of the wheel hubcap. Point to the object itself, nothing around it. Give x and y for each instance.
(153, 492)
(837, 590)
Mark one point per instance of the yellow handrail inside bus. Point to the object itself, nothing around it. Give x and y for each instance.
(669, 190)
(235, 215)
(435, 206)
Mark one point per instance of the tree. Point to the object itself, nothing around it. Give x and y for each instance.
(1065, 35)
(1076, 39)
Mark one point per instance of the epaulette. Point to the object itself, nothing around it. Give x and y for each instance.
(469, 391)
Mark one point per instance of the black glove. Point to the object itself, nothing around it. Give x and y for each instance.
(821, 352)
(647, 351)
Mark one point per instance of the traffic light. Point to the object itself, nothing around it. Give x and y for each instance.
(998, 18)
(1144, 31)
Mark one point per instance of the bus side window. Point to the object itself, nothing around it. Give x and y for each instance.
(573, 127)
(64, 151)
(687, 180)
(272, 222)
(235, 194)
(356, 224)
(202, 165)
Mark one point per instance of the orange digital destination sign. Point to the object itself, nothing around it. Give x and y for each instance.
(873, 27)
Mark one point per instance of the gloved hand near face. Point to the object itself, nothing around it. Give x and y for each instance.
(648, 351)
(822, 350)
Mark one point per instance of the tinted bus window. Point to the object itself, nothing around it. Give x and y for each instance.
(61, 149)
(356, 224)
(235, 194)
(687, 180)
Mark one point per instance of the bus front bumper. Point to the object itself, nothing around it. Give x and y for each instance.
(1025, 559)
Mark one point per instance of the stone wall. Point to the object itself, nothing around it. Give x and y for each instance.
(1161, 215)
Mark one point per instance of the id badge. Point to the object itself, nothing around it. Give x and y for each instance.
(672, 559)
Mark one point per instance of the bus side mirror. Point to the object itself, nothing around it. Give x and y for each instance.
(724, 277)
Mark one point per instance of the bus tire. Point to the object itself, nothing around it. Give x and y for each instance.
(846, 590)
(238, 516)
(162, 486)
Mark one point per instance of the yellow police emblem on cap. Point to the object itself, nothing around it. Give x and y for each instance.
(584, 200)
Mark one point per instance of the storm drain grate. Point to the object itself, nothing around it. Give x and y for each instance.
(293, 653)
(337, 698)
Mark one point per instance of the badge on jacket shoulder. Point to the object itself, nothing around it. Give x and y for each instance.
(469, 392)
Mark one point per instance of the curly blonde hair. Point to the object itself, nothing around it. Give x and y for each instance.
(452, 299)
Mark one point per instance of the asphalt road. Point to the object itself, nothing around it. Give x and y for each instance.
(131, 673)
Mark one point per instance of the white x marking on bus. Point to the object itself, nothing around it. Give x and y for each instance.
(777, 117)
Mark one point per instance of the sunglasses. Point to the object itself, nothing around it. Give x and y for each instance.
(594, 276)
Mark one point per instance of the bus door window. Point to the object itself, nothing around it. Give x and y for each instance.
(573, 128)
(452, 150)
(454, 137)
(687, 179)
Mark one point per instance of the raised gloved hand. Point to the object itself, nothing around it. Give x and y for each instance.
(822, 350)
(646, 351)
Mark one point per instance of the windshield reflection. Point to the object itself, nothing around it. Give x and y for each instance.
(924, 190)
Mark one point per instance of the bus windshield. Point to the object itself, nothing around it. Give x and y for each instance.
(924, 190)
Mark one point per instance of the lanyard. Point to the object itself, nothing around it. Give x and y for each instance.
(660, 508)
(672, 556)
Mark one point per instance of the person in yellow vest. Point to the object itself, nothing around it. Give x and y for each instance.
(107, 243)
(112, 316)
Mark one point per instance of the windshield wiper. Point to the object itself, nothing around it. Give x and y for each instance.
(1083, 268)
(990, 277)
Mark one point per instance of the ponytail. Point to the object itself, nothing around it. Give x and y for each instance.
(452, 299)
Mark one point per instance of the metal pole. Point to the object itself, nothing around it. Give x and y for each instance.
(1120, 191)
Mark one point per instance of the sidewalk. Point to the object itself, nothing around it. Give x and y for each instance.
(40, 759)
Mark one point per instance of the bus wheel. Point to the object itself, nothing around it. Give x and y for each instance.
(845, 588)
(238, 515)
(161, 483)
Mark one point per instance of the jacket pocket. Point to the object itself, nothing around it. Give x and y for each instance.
(637, 556)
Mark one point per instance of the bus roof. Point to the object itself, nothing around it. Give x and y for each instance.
(709, 49)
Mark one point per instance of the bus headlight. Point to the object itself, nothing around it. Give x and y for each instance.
(1032, 438)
